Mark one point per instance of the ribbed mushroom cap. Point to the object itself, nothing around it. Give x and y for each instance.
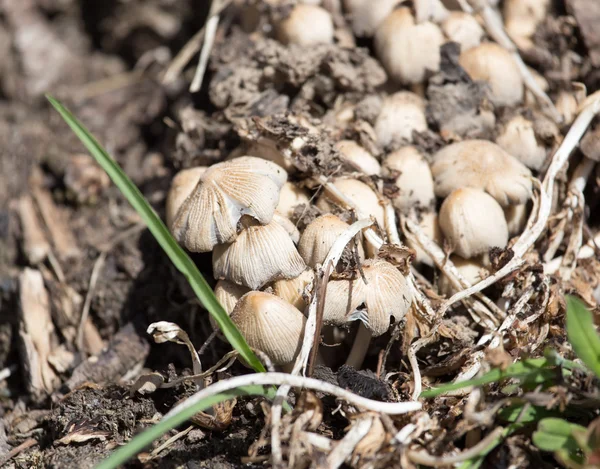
(225, 192)
(518, 138)
(228, 294)
(463, 28)
(318, 238)
(360, 158)
(292, 290)
(290, 197)
(362, 195)
(259, 255)
(482, 165)
(342, 299)
(387, 294)
(270, 325)
(306, 25)
(414, 179)
(183, 184)
(494, 65)
(408, 50)
(473, 222)
(401, 114)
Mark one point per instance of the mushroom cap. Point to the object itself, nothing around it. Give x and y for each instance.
(590, 144)
(387, 294)
(408, 50)
(290, 197)
(182, 186)
(431, 227)
(259, 255)
(365, 16)
(516, 218)
(523, 16)
(493, 64)
(362, 195)
(270, 325)
(473, 222)
(400, 115)
(225, 192)
(470, 269)
(292, 290)
(463, 28)
(267, 149)
(518, 139)
(414, 181)
(359, 157)
(288, 225)
(482, 165)
(318, 238)
(228, 294)
(342, 299)
(306, 25)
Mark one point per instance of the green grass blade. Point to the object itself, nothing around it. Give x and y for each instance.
(160, 232)
(582, 334)
(535, 370)
(141, 441)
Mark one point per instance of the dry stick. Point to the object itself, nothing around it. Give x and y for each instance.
(209, 38)
(495, 28)
(16, 450)
(170, 441)
(344, 448)
(335, 253)
(412, 358)
(587, 112)
(569, 261)
(279, 379)
(88, 299)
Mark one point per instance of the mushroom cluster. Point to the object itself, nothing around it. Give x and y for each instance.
(271, 210)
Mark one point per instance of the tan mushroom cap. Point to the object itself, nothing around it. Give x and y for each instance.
(483, 165)
(414, 179)
(365, 16)
(431, 227)
(518, 139)
(342, 299)
(494, 65)
(471, 269)
(270, 325)
(362, 196)
(401, 114)
(228, 294)
(307, 25)
(473, 222)
(259, 255)
(225, 192)
(183, 184)
(358, 157)
(463, 28)
(318, 238)
(408, 51)
(290, 197)
(292, 290)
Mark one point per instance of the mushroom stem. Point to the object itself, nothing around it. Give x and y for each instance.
(359, 347)
(581, 174)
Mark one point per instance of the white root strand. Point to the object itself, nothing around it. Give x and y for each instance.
(344, 448)
(278, 379)
(209, 39)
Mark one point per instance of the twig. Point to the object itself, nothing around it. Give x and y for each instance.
(88, 298)
(412, 358)
(209, 38)
(344, 448)
(169, 442)
(279, 379)
(17, 449)
(229, 358)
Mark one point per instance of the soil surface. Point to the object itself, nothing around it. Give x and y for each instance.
(106, 61)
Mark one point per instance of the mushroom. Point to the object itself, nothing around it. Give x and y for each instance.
(290, 197)
(473, 222)
(267, 149)
(408, 50)
(182, 186)
(288, 226)
(259, 255)
(401, 114)
(463, 28)
(494, 65)
(361, 195)
(365, 16)
(430, 226)
(228, 294)
(227, 191)
(470, 269)
(342, 299)
(518, 138)
(306, 25)
(483, 165)
(292, 290)
(358, 157)
(413, 178)
(318, 238)
(270, 324)
(516, 218)
(522, 17)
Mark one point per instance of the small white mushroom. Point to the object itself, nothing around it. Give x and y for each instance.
(362, 195)
(271, 325)
(473, 222)
(414, 179)
(407, 50)
(463, 28)
(292, 290)
(227, 191)
(494, 65)
(516, 218)
(259, 255)
(358, 157)
(365, 16)
(318, 238)
(430, 226)
(471, 269)
(182, 185)
(342, 299)
(483, 165)
(228, 294)
(290, 197)
(522, 17)
(306, 25)
(401, 114)
(518, 138)
(288, 226)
